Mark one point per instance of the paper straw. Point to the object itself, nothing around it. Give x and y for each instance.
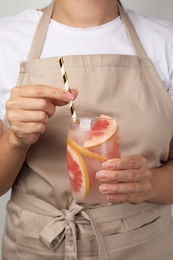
(67, 88)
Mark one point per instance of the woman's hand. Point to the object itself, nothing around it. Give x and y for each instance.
(126, 179)
(29, 109)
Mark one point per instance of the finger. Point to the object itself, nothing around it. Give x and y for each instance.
(27, 116)
(74, 92)
(123, 175)
(66, 98)
(131, 162)
(126, 188)
(31, 104)
(129, 198)
(126, 198)
(43, 91)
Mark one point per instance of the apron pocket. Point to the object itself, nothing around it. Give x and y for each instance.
(149, 238)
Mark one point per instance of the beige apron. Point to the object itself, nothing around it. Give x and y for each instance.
(42, 221)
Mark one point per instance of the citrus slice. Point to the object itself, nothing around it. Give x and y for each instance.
(84, 151)
(77, 173)
(102, 130)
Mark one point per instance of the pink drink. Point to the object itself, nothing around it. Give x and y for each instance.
(90, 142)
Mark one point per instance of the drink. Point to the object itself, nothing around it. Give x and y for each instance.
(90, 142)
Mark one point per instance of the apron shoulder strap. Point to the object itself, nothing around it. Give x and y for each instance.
(133, 37)
(40, 33)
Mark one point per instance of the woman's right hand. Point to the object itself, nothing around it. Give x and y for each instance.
(29, 109)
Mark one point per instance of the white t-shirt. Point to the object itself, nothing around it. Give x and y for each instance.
(16, 34)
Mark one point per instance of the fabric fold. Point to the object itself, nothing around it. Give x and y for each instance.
(63, 225)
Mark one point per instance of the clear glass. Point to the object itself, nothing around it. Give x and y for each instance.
(91, 141)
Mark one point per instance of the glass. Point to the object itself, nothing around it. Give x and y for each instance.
(91, 141)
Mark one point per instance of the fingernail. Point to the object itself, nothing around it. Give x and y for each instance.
(108, 165)
(102, 175)
(104, 188)
(68, 96)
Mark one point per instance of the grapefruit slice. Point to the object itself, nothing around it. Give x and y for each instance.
(84, 151)
(77, 173)
(98, 135)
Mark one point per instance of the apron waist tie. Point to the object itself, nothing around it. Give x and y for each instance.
(62, 226)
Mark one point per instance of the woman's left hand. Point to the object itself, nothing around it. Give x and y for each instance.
(126, 179)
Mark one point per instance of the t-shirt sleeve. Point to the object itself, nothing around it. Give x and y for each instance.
(1, 109)
(170, 92)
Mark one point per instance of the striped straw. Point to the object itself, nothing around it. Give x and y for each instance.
(67, 88)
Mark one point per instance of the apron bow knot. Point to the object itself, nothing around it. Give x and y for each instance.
(69, 217)
(62, 226)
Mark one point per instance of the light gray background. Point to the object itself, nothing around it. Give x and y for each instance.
(161, 9)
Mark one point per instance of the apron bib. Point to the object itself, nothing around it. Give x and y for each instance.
(43, 222)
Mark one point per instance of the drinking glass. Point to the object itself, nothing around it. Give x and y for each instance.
(91, 141)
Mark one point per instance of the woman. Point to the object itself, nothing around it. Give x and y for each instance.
(109, 71)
